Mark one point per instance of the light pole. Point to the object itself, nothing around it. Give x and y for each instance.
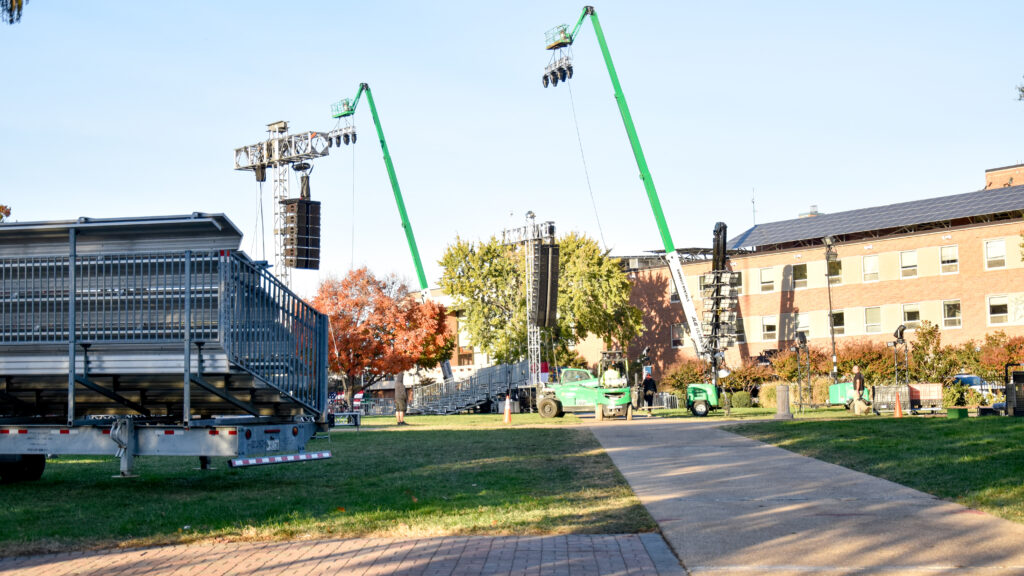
(830, 257)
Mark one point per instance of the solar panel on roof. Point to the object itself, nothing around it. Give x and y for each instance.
(917, 212)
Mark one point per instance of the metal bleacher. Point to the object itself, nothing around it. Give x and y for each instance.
(487, 385)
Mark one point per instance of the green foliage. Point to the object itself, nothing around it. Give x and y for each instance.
(486, 281)
(954, 394)
(741, 399)
(687, 372)
(748, 376)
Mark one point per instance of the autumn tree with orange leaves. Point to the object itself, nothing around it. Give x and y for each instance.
(378, 328)
(5, 212)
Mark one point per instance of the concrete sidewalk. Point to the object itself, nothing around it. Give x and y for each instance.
(570, 555)
(731, 505)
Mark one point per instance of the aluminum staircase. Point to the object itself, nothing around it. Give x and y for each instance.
(487, 385)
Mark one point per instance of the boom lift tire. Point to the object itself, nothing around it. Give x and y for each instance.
(548, 408)
(561, 412)
(26, 469)
(700, 408)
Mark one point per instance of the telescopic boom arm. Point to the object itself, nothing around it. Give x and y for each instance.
(347, 108)
(675, 265)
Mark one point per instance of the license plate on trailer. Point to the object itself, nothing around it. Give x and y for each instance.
(273, 444)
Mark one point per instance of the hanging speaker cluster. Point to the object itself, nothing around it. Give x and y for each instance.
(546, 312)
(558, 71)
(301, 233)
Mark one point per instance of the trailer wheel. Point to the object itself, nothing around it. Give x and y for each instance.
(548, 408)
(26, 469)
(700, 408)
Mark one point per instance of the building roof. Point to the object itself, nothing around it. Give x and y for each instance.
(992, 204)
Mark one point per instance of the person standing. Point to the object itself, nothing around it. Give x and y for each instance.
(401, 399)
(858, 383)
(649, 388)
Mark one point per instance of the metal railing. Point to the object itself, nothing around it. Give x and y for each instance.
(183, 297)
(486, 385)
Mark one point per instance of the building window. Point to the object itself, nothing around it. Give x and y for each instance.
(673, 294)
(679, 333)
(769, 328)
(835, 272)
(951, 314)
(803, 325)
(949, 259)
(995, 254)
(737, 280)
(912, 316)
(800, 276)
(767, 279)
(998, 309)
(908, 264)
(871, 268)
(839, 323)
(741, 334)
(873, 320)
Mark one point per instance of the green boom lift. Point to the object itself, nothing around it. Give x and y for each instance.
(345, 109)
(559, 40)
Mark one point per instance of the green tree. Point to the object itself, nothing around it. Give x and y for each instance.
(10, 10)
(486, 281)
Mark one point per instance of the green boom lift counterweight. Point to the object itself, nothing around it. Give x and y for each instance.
(559, 40)
(345, 109)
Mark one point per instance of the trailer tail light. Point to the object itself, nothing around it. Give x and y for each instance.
(272, 431)
(214, 432)
(284, 459)
(5, 431)
(232, 432)
(168, 432)
(295, 430)
(22, 431)
(65, 431)
(248, 434)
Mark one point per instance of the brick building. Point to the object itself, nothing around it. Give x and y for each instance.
(954, 261)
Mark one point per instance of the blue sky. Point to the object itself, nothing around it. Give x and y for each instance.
(134, 108)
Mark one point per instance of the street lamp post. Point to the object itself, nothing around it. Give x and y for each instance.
(830, 257)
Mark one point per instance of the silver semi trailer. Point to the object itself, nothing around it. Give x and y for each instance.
(151, 336)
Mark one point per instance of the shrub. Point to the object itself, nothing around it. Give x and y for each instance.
(954, 394)
(741, 399)
(687, 372)
(766, 397)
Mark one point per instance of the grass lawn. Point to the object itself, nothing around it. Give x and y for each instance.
(757, 413)
(441, 475)
(978, 462)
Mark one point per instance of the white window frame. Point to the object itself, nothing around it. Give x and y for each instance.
(988, 310)
(955, 263)
(864, 268)
(683, 334)
(867, 325)
(911, 324)
(837, 329)
(802, 323)
(673, 294)
(904, 269)
(988, 259)
(775, 333)
(804, 279)
(771, 283)
(836, 280)
(959, 318)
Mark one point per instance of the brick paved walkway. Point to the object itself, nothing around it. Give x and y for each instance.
(573, 555)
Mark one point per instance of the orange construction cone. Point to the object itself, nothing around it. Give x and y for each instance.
(508, 411)
(899, 407)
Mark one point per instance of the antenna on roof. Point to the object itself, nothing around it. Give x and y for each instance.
(753, 207)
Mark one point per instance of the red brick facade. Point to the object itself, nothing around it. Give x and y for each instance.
(977, 269)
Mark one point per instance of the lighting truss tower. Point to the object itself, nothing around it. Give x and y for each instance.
(532, 236)
(279, 152)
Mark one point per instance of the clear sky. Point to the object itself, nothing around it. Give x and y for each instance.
(134, 108)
